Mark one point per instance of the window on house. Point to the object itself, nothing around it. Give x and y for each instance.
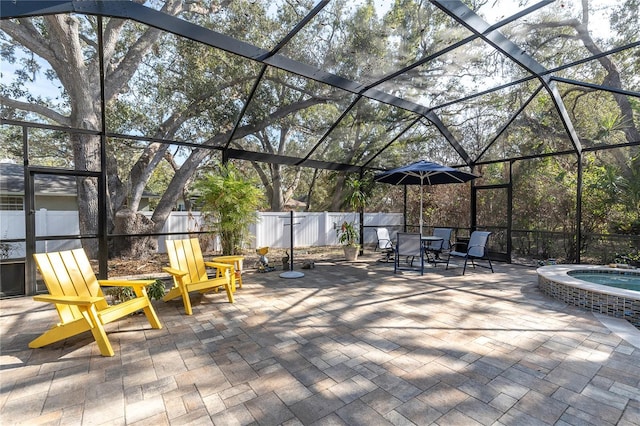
(11, 203)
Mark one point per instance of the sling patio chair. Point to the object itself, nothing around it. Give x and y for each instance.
(476, 249)
(437, 247)
(80, 302)
(384, 244)
(189, 272)
(409, 246)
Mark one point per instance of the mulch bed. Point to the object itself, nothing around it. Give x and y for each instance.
(153, 264)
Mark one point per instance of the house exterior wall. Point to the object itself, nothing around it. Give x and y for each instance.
(57, 202)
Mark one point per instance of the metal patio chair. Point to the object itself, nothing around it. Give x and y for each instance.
(384, 244)
(476, 249)
(409, 246)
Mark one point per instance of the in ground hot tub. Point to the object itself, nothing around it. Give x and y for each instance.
(611, 292)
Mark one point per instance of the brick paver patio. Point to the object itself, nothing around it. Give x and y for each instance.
(348, 344)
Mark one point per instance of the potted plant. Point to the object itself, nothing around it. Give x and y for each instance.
(348, 236)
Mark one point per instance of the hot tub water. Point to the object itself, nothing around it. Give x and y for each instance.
(627, 280)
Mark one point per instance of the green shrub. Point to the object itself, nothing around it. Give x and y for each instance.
(155, 291)
(630, 258)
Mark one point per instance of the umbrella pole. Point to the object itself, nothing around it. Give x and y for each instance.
(421, 183)
(421, 191)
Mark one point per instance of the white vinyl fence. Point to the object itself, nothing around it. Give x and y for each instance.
(271, 230)
(315, 229)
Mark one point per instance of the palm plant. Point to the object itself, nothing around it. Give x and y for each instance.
(359, 191)
(229, 202)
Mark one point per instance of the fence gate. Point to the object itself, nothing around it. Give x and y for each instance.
(491, 206)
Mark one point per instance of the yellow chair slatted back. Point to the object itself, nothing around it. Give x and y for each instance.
(69, 273)
(186, 255)
(189, 272)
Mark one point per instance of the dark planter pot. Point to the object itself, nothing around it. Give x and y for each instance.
(12, 282)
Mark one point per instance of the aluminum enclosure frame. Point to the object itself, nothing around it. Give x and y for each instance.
(457, 10)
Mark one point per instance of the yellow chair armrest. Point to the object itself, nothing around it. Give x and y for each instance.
(125, 283)
(228, 259)
(218, 265)
(173, 271)
(68, 300)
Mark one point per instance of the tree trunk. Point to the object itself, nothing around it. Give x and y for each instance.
(129, 222)
(337, 199)
(277, 200)
(87, 158)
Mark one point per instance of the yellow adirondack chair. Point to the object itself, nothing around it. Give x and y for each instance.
(79, 300)
(189, 271)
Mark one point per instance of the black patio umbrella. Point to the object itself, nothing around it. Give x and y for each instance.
(423, 173)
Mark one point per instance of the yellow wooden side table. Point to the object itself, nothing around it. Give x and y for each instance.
(236, 261)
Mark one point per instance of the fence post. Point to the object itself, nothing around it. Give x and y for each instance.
(325, 228)
(259, 226)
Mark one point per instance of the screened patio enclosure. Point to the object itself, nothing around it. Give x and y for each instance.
(497, 88)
